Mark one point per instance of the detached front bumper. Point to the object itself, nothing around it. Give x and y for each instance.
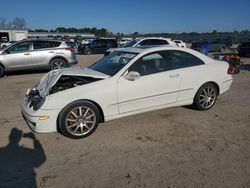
(35, 121)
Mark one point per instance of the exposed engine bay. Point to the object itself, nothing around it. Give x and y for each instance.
(67, 82)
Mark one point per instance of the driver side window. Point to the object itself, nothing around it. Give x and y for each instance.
(150, 64)
(20, 47)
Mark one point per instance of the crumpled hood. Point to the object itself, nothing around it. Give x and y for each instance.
(51, 77)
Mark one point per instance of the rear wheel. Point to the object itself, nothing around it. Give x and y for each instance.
(79, 119)
(58, 63)
(1, 71)
(206, 97)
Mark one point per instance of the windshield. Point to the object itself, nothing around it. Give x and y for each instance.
(131, 43)
(113, 63)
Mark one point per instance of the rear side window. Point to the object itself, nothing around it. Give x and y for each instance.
(150, 42)
(41, 44)
(180, 59)
(164, 61)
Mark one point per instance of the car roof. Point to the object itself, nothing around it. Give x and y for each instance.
(159, 38)
(149, 49)
(35, 39)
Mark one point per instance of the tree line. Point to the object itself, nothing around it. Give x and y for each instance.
(20, 23)
(16, 23)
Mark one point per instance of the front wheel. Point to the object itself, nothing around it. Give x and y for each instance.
(79, 119)
(206, 97)
(58, 63)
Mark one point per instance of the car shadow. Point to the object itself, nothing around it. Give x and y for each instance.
(18, 163)
(190, 107)
(23, 72)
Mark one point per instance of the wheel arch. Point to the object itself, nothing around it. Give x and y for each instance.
(58, 57)
(2, 65)
(95, 103)
(211, 82)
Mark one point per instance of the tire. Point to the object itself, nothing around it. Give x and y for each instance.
(1, 71)
(58, 63)
(79, 119)
(87, 51)
(206, 97)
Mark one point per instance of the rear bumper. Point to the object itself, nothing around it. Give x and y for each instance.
(72, 60)
(225, 85)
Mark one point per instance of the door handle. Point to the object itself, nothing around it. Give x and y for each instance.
(51, 52)
(174, 76)
(26, 54)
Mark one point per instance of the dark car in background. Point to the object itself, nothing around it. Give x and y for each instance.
(244, 49)
(213, 46)
(97, 46)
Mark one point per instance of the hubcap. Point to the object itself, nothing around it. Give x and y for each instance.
(80, 120)
(58, 65)
(207, 97)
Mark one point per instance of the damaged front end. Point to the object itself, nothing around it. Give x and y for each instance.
(60, 80)
(67, 82)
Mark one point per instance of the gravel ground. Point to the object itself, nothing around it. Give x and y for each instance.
(176, 147)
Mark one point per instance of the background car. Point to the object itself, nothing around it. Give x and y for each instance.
(36, 54)
(127, 82)
(244, 49)
(149, 41)
(124, 41)
(97, 46)
(214, 46)
(180, 43)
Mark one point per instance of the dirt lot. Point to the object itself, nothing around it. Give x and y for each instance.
(177, 147)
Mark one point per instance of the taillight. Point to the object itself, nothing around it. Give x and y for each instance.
(230, 70)
(70, 49)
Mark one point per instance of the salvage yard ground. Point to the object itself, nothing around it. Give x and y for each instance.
(176, 147)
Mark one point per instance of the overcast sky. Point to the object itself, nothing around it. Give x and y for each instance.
(128, 16)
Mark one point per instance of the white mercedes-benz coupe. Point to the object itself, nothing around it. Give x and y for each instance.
(74, 101)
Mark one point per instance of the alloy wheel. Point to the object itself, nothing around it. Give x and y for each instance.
(207, 97)
(80, 120)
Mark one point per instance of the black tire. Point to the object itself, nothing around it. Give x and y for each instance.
(79, 119)
(87, 51)
(206, 97)
(1, 71)
(58, 63)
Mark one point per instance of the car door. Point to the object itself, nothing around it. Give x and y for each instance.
(158, 84)
(42, 53)
(192, 72)
(18, 56)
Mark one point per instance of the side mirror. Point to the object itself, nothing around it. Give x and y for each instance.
(132, 76)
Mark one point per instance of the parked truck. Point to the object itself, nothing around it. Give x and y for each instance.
(12, 35)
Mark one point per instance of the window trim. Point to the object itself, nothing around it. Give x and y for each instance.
(172, 69)
(41, 49)
(17, 52)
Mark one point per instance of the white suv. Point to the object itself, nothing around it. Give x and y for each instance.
(149, 41)
(180, 43)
